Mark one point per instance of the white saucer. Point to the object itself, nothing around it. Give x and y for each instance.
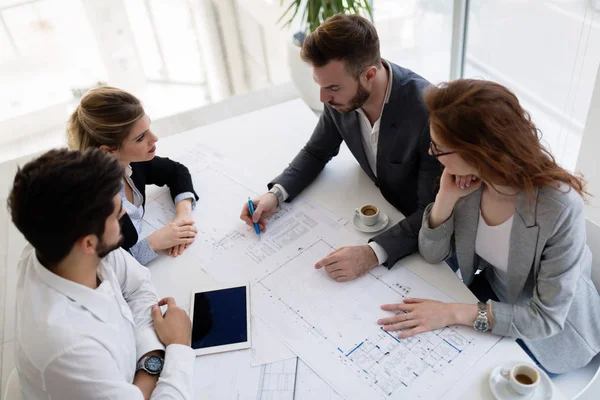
(502, 390)
(382, 223)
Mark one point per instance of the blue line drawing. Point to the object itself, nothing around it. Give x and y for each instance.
(352, 351)
(450, 344)
(392, 336)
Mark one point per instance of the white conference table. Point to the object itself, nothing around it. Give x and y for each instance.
(265, 141)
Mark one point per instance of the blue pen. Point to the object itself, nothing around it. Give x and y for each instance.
(251, 207)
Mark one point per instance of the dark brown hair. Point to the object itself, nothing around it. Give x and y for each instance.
(484, 123)
(349, 38)
(104, 116)
(62, 196)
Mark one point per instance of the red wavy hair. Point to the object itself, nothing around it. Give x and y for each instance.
(484, 123)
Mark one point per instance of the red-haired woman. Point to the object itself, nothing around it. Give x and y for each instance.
(506, 208)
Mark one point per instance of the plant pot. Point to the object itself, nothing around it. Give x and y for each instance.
(301, 74)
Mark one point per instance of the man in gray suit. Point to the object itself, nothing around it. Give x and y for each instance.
(376, 107)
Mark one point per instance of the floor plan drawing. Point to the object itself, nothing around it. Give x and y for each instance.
(274, 381)
(332, 327)
(241, 254)
(279, 380)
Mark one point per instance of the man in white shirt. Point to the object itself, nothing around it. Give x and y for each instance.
(376, 108)
(89, 324)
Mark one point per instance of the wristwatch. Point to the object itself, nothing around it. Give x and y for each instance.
(278, 193)
(481, 323)
(151, 364)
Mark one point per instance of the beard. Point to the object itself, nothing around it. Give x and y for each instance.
(359, 99)
(105, 248)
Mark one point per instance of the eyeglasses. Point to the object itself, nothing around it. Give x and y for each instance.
(436, 152)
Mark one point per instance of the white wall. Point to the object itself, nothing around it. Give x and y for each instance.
(587, 163)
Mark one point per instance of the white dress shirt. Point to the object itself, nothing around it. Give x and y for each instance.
(370, 140)
(77, 343)
(370, 133)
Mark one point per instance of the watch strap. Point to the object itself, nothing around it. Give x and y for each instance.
(481, 323)
(141, 365)
(278, 193)
(482, 308)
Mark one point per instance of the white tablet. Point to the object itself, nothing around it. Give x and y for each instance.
(220, 319)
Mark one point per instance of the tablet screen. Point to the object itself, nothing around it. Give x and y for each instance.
(220, 318)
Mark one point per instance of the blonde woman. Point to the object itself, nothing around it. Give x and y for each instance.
(114, 121)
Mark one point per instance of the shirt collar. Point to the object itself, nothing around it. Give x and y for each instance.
(128, 171)
(92, 300)
(388, 90)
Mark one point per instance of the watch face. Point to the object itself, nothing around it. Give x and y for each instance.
(481, 325)
(154, 364)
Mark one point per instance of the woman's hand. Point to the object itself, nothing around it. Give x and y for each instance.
(183, 212)
(173, 234)
(453, 187)
(420, 315)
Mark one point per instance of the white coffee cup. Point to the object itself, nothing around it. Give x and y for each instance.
(368, 214)
(522, 378)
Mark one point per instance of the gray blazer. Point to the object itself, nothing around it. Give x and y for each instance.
(553, 305)
(406, 173)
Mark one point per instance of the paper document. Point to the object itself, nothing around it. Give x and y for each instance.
(279, 380)
(241, 255)
(266, 347)
(332, 327)
(310, 386)
(230, 376)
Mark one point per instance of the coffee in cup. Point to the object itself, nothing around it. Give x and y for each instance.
(368, 214)
(523, 378)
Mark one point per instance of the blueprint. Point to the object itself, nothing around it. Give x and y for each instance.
(310, 386)
(240, 254)
(239, 380)
(332, 327)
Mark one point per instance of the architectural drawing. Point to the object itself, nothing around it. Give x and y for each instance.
(275, 381)
(332, 327)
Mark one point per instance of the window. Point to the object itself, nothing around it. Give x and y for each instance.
(547, 52)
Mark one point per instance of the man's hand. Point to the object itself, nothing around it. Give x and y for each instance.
(175, 326)
(347, 263)
(264, 207)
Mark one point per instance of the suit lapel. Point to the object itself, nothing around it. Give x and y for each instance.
(389, 130)
(523, 244)
(354, 142)
(466, 219)
(390, 124)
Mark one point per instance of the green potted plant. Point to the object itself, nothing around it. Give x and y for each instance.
(309, 14)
